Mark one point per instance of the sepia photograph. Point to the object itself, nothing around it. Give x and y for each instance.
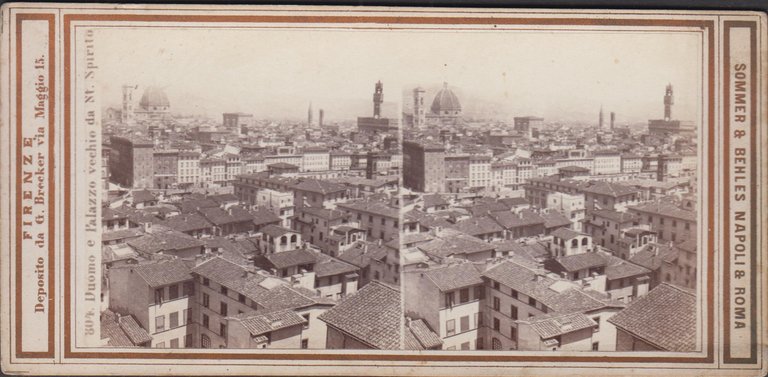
(323, 190)
(257, 205)
(552, 194)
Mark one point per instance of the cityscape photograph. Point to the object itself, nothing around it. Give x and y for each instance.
(423, 192)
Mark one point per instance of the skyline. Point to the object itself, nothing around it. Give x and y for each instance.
(512, 72)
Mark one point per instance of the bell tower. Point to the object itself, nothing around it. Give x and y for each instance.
(669, 100)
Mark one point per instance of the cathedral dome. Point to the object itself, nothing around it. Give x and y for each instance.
(445, 102)
(154, 98)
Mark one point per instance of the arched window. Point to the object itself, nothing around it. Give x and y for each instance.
(584, 241)
(293, 238)
(283, 240)
(574, 243)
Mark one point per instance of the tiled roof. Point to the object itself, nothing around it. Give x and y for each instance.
(372, 316)
(524, 280)
(552, 326)
(276, 231)
(142, 196)
(133, 330)
(187, 222)
(291, 258)
(555, 219)
(263, 216)
(514, 202)
(664, 318)
(192, 205)
(665, 209)
(362, 253)
(619, 268)
(576, 262)
(434, 200)
(609, 188)
(652, 255)
(410, 342)
(425, 336)
(329, 266)
(108, 213)
(223, 198)
(121, 234)
(319, 186)
(219, 216)
(172, 240)
(111, 331)
(258, 323)
(451, 277)
(160, 273)
(566, 233)
(476, 226)
(455, 244)
(511, 220)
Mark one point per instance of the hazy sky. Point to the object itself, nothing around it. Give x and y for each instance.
(276, 73)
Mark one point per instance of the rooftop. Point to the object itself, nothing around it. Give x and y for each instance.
(452, 277)
(664, 318)
(372, 316)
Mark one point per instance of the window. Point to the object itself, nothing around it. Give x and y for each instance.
(188, 341)
(206, 321)
(187, 316)
(514, 294)
(206, 300)
(306, 318)
(513, 333)
(479, 292)
(223, 330)
(223, 309)
(496, 285)
(173, 320)
(595, 346)
(189, 288)
(450, 327)
(224, 290)
(495, 344)
(173, 292)
(531, 301)
(205, 341)
(496, 324)
(449, 299)
(597, 321)
(513, 312)
(383, 221)
(206, 282)
(464, 323)
(160, 345)
(465, 346)
(304, 343)
(159, 323)
(159, 295)
(464, 295)
(174, 343)
(479, 344)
